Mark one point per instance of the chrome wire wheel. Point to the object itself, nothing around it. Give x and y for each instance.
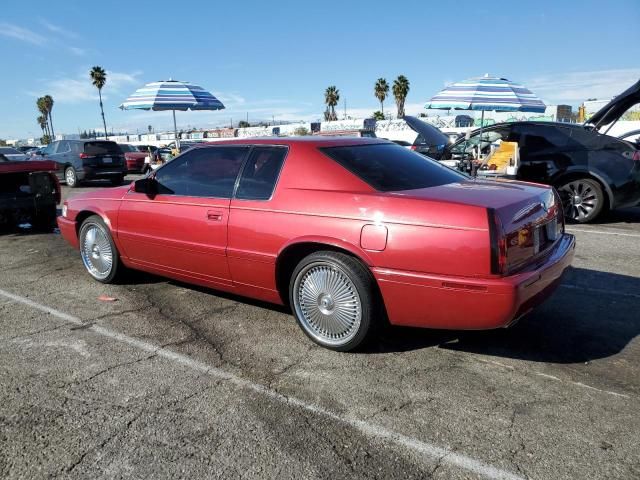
(327, 303)
(96, 251)
(581, 200)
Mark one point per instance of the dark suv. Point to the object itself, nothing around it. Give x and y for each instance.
(592, 171)
(80, 160)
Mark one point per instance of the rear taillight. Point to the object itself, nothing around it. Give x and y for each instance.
(86, 155)
(414, 148)
(498, 243)
(636, 155)
(560, 212)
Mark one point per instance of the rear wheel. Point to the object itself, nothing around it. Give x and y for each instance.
(583, 199)
(334, 300)
(70, 177)
(97, 250)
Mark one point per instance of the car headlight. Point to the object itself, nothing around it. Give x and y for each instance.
(64, 210)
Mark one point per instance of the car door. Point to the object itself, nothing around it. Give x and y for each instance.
(255, 229)
(545, 151)
(183, 228)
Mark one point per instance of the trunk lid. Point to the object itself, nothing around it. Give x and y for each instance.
(524, 219)
(613, 110)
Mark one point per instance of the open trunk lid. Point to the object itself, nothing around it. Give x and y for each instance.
(613, 110)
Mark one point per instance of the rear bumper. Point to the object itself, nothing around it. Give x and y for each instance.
(135, 166)
(68, 231)
(459, 303)
(89, 173)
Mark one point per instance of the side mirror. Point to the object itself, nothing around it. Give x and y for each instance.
(148, 186)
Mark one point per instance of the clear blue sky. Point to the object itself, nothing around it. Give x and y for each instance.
(277, 57)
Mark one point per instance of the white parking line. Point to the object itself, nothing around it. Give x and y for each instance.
(602, 232)
(433, 452)
(580, 384)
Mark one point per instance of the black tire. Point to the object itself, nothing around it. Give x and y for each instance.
(86, 250)
(71, 177)
(117, 180)
(351, 292)
(583, 199)
(44, 220)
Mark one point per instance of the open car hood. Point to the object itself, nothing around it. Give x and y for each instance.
(613, 110)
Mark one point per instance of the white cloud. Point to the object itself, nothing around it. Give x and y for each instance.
(77, 51)
(22, 34)
(575, 87)
(58, 29)
(80, 89)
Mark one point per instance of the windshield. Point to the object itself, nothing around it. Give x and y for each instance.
(102, 148)
(388, 167)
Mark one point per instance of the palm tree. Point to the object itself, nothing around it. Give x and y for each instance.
(99, 78)
(42, 108)
(400, 92)
(331, 99)
(381, 90)
(48, 103)
(42, 121)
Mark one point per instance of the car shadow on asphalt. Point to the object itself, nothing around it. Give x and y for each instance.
(592, 315)
(625, 215)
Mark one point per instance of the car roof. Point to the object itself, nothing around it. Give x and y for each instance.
(313, 140)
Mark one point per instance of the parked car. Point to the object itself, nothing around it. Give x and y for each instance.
(13, 154)
(592, 171)
(133, 157)
(80, 160)
(29, 193)
(348, 231)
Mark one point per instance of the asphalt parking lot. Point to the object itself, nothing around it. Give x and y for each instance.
(159, 379)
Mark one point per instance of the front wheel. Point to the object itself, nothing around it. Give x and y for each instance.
(333, 298)
(97, 250)
(583, 199)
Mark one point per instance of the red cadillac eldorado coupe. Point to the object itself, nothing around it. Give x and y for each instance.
(350, 232)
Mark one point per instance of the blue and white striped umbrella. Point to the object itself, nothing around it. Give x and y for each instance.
(487, 93)
(171, 95)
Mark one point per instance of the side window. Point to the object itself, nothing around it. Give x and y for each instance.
(63, 147)
(260, 173)
(202, 172)
(76, 147)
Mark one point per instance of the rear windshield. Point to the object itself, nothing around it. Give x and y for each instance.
(128, 148)
(390, 167)
(102, 148)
